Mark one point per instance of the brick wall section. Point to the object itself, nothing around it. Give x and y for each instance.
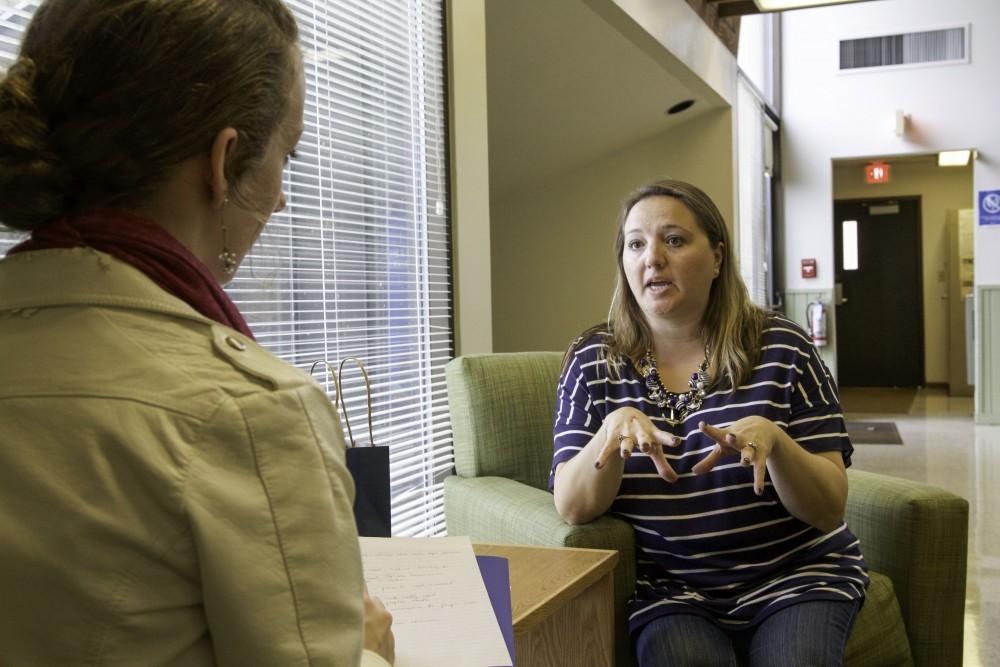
(727, 29)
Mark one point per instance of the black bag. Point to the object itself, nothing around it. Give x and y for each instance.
(369, 466)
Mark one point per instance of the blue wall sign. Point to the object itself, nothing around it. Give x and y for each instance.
(989, 207)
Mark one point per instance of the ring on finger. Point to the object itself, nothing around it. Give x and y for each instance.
(625, 452)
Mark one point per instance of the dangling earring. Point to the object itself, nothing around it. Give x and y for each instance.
(227, 256)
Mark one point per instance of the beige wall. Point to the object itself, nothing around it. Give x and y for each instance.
(940, 189)
(470, 186)
(553, 269)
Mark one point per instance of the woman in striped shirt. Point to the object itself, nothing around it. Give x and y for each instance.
(714, 428)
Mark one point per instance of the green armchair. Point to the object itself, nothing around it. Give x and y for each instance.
(914, 536)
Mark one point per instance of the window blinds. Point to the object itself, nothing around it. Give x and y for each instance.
(358, 263)
(14, 18)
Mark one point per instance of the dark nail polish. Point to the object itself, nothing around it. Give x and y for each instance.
(597, 464)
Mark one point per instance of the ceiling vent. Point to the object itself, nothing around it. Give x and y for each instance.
(948, 45)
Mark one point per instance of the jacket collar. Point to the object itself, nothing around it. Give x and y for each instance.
(83, 277)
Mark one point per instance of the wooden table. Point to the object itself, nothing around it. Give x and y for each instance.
(563, 604)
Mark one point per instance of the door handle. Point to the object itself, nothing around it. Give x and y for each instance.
(838, 294)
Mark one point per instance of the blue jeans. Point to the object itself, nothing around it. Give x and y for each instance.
(808, 634)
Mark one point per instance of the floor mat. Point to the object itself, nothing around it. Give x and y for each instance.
(873, 433)
(884, 400)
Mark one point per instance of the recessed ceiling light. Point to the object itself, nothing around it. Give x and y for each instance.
(954, 158)
(680, 106)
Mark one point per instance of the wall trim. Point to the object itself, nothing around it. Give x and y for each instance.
(987, 332)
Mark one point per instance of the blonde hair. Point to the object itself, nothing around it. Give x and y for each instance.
(731, 326)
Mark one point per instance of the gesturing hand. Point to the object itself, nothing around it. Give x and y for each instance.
(753, 438)
(628, 428)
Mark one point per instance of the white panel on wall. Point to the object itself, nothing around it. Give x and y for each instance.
(988, 362)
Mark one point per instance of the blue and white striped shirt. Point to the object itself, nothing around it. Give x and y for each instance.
(707, 544)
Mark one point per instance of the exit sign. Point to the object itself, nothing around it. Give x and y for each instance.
(877, 172)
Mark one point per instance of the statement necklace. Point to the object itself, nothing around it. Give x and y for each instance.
(679, 405)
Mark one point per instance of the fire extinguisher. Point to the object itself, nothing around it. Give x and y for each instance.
(816, 322)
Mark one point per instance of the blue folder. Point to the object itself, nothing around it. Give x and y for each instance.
(496, 576)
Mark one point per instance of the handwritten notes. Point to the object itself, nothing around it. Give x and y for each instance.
(439, 605)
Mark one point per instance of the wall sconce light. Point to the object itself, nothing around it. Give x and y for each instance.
(902, 122)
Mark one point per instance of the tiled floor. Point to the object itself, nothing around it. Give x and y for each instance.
(944, 447)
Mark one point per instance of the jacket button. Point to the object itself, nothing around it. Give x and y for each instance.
(236, 344)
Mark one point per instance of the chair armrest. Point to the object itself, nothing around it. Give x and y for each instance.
(917, 535)
(497, 509)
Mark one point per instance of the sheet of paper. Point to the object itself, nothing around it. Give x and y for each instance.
(440, 609)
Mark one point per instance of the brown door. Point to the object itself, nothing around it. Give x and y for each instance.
(880, 330)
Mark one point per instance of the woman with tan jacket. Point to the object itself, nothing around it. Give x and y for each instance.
(170, 492)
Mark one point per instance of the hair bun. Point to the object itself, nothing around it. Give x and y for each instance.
(31, 173)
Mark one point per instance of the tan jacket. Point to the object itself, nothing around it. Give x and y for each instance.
(170, 492)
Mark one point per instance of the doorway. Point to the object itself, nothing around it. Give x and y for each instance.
(878, 292)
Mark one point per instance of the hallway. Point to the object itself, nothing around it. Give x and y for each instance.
(943, 447)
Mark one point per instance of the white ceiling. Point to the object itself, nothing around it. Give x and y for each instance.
(565, 87)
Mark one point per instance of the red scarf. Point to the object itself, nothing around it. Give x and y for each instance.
(146, 246)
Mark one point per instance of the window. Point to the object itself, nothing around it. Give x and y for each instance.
(358, 264)
(850, 244)
(754, 174)
(758, 55)
(13, 22)
(758, 100)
